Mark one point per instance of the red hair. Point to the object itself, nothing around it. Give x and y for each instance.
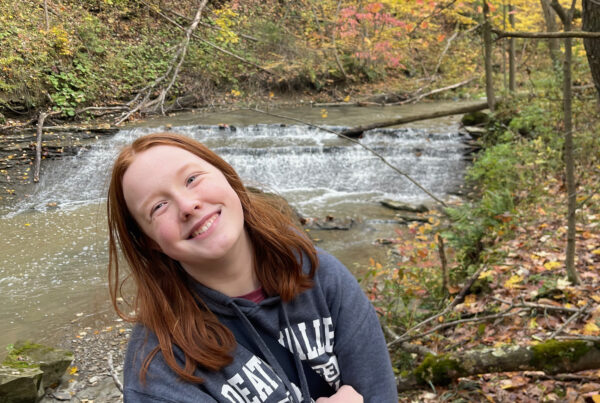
(163, 301)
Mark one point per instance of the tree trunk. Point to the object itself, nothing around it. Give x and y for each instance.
(591, 22)
(569, 160)
(358, 130)
(487, 43)
(551, 26)
(552, 357)
(512, 62)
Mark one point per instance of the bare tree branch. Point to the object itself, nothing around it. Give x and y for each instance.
(175, 65)
(545, 35)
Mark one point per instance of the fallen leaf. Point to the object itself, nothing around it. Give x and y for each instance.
(513, 281)
(591, 329)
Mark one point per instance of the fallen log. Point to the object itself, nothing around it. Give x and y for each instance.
(551, 357)
(357, 131)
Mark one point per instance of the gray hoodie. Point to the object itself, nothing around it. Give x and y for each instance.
(332, 327)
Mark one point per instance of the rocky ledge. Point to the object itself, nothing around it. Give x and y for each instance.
(85, 369)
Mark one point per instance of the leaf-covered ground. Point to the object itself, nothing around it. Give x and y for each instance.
(522, 283)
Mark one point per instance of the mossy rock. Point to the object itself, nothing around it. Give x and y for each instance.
(51, 361)
(20, 385)
(477, 118)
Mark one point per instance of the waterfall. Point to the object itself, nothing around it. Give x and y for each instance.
(312, 168)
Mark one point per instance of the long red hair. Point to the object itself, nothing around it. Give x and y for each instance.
(163, 300)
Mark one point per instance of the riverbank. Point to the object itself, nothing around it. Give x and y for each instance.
(90, 378)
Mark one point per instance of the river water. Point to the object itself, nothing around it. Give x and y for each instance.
(53, 259)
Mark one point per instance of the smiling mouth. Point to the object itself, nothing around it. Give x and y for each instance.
(205, 227)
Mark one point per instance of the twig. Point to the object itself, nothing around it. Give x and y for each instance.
(421, 351)
(459, 298)
(560, 377)
(175, 64)
(204, 24)
(113, 372)
(448, 43)
(537, 306)
(506, 313)
(184, 47)
(546, 35)
(220, 49)
(426, 94)
(595, 339)
(375, 153)
(571, 319)
(38, 144)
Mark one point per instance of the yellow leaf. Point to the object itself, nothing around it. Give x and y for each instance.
(470, 299)
(371, 262)
(596, 251)
(271, 95)
(561, 283)
(552, 265)
(595, 398)
(347, 99)
(591, 329)
(323, 113)
(378, 266)
(533, 324)
(27, 225)
(486, 274)
(596, 298)
(73, 370)
(512, 282)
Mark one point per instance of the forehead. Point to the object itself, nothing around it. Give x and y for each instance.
(155, 168)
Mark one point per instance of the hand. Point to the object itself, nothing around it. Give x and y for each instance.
(345, 394)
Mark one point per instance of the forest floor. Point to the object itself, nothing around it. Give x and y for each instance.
(525, 277)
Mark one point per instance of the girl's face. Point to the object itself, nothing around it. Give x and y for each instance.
(186, 206)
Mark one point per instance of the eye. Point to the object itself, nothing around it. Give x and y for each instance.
(156, 207)
(191, 179)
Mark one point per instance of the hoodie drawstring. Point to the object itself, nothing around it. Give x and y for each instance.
(271, 358)
(297, 361)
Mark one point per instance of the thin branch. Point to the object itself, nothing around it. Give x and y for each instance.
(571, 319)
(459, 298)
(184, 46)
(421, 351)
(506, 313)
(204, 24)
(375, 153)
(113, 373)
(38, 144)
(437, 90)
(209, 43)
(448, 43)
(176, 62)
(545, 35)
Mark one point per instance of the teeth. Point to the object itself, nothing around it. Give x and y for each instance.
(206, 226)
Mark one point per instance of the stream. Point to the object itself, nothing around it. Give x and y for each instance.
(54, 252)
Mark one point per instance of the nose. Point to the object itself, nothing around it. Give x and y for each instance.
(188, 206)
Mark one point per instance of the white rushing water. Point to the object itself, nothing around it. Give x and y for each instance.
(313, 169)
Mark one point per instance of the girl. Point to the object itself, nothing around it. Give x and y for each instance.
(233, 304)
